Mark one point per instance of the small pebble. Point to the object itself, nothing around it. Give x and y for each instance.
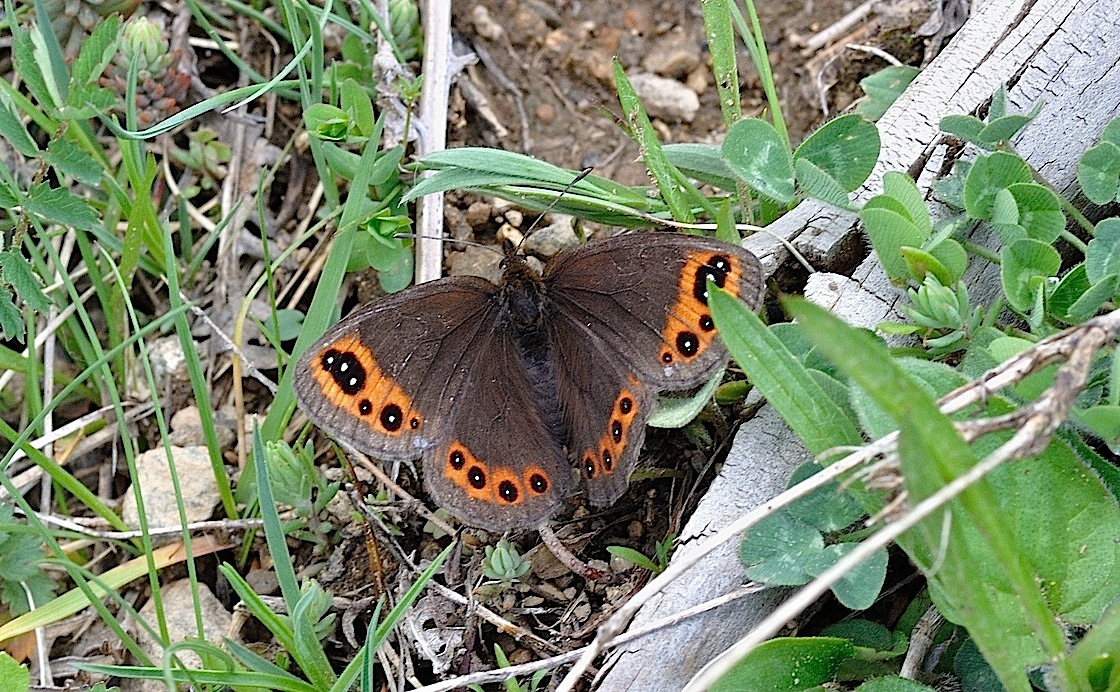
(478, 214)
(664, 98)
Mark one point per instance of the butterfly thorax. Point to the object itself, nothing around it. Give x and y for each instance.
(522, 295)
(524, 312)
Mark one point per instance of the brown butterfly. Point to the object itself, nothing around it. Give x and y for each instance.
(497, 386)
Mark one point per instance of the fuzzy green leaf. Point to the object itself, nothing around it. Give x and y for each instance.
(1098, 173)
(818, 184)
(1102, 256)
(989, 175)
(60, 206)
(755, 152)
(71, 160)
(845, 148)
(17, 271)
(787, 664)
(1025, 265)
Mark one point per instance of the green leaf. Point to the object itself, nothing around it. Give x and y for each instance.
(399, 276)
(883, 88)
(889, 229)
(17, 271)
(935, 379)
(919, 263)
(356, 102)
(1004, 128)
(845, 148)
(818, 184)
(718, 29)
(679, 411)
(327, 122)
(901, 188)
(860, 586)
(1090, 302)
(828, 508)
(69, 159)
(787, 664)
(13, 676)
(1111, 132)
(966, 127)
(1102, 256)
(952, 256)
(755, 152)
(1103, 421)
(23, 54)
(1098, 172)
(1025, 266)
(13, 131)
(863, 633)
(812, 414)
(989, 175)
(973, 670)
(49, 57)
(701, 161)
(60, 206)
(679, 194)
(94, 56)
(11, 320)
(1069, 290)
(1039, 211)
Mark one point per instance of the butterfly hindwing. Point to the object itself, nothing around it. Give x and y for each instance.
(500, 468)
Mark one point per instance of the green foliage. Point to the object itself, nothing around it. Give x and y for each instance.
(300, 485)
(503, 563)
(22, 581)
(13, 676)
(798, 543)
(788, 664)
(657, 564)
(883, 88)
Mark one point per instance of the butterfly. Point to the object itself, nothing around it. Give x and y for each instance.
(501, 389)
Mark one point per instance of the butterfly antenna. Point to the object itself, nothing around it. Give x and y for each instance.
(579, 176)
(459, 241)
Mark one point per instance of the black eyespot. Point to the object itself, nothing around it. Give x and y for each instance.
(706, 323)
(666, 357)
(477, 478)
(507, 490)
(538, 483)
(688, 344)
(589, 467)
(391, 417)
(608, 461)
(457, 460)
(345, 370)
(716, 269)
(365, 407)
(616, 431)
(414, 423)
(625, 404)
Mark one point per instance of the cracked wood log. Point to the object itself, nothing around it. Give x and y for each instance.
(1061, 52)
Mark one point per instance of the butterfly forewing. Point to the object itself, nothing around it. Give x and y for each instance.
(432, 373)
(636, 305)
(644, 294)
